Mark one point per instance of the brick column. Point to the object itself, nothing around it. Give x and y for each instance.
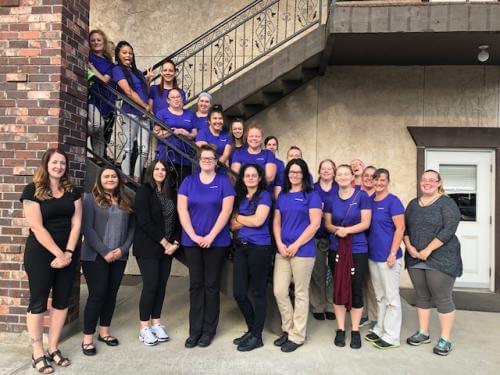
(43, 53)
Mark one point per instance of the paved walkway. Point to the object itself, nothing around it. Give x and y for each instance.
(475, 339)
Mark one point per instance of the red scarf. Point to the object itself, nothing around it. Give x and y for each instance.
(344, 269)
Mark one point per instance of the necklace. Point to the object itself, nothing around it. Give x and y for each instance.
(428, 203)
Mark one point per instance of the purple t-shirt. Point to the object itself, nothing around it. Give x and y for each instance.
(338, 207)
(205, 205)
(138, 85)
(259, 235)
(382, 227)
(243, 157)
(200, 122)
(280, 169)
(160, 100)
(294, 210)
(322, 232)
(220, 141)
(105, 67)
(184, 121)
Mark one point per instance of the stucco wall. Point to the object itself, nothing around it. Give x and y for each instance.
(157, 28)
(363, 112)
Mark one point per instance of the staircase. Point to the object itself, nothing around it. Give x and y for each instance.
(257, 56)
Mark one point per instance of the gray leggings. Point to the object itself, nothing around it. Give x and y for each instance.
(433, 287)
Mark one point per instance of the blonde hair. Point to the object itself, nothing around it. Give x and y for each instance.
(439, 178)
(41, 177)
(107, 54)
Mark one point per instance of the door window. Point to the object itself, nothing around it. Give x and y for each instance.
(460, 184)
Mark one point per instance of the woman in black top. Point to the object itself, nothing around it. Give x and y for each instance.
(155, 242)
(53, 210)
(108, 230)
(433, 258)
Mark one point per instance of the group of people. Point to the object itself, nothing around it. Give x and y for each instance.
(347, 221)
(276, 220)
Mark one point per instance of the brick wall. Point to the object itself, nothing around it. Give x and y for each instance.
(43, 52)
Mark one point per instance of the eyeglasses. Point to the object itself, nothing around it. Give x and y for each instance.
(296, 173)
(208, 160)
(175, 97)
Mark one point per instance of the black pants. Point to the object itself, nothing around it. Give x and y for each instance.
(251, 267)
(155, 274)
(358, 279)
(42, 278)
(103, 282)
(205, 269)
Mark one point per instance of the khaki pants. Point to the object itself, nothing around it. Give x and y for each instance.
(369, 299)
(321, 295)
(293, 320)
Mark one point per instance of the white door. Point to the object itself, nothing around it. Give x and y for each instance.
(468, 179)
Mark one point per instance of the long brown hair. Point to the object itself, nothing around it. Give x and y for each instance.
(105, 52)
(104, 199)
(175, 85)
(41, 177)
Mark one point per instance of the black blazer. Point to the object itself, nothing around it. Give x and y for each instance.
(150, 227)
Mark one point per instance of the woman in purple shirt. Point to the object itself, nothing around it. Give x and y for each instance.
(253, 153)
(181, 122)
(271, 143)
(201, 115)
(158, 94)
(134, 85)
(205, 202)
(253, 255)
(214, 135)
(321, 290)
(347, 216)
(386, 261)
(297, 218)
(99, 111)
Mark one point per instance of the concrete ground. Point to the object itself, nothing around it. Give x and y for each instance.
(475, 339)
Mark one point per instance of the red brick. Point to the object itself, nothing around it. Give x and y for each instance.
(17, 77)
(9, 3)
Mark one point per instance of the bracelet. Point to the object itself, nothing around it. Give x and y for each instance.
(69, 251)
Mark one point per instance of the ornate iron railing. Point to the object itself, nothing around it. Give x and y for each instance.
(242, 39)
(110, 129)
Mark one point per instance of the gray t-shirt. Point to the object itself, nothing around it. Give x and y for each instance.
(438, 220)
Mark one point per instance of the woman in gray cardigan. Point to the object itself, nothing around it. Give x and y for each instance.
(433, 258)
(108, 230)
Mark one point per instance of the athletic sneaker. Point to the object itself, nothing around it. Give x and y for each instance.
(418, 338)
(147, 336)
(381, 344)
(372, 337)
(443, 347)
(160, 332)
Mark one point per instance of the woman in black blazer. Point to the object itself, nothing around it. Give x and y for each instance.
(155, 242)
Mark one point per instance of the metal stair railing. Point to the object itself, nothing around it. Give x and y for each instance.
(239, 41)
(115, 138)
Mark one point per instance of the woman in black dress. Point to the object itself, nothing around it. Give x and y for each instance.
(53, 210)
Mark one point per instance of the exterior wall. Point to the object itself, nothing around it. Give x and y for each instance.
(157, 28)
(43, 93)
(364, 111)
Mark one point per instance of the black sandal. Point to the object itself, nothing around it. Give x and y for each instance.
(109, 340)
(46, 364)
(62, 361)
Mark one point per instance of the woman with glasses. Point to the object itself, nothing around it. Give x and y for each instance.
(158, 94)
(433, 258)
(205, 202)
(297, 218)
(182, 123)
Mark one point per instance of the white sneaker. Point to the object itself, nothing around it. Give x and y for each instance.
(147, 336)
(160, 332)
